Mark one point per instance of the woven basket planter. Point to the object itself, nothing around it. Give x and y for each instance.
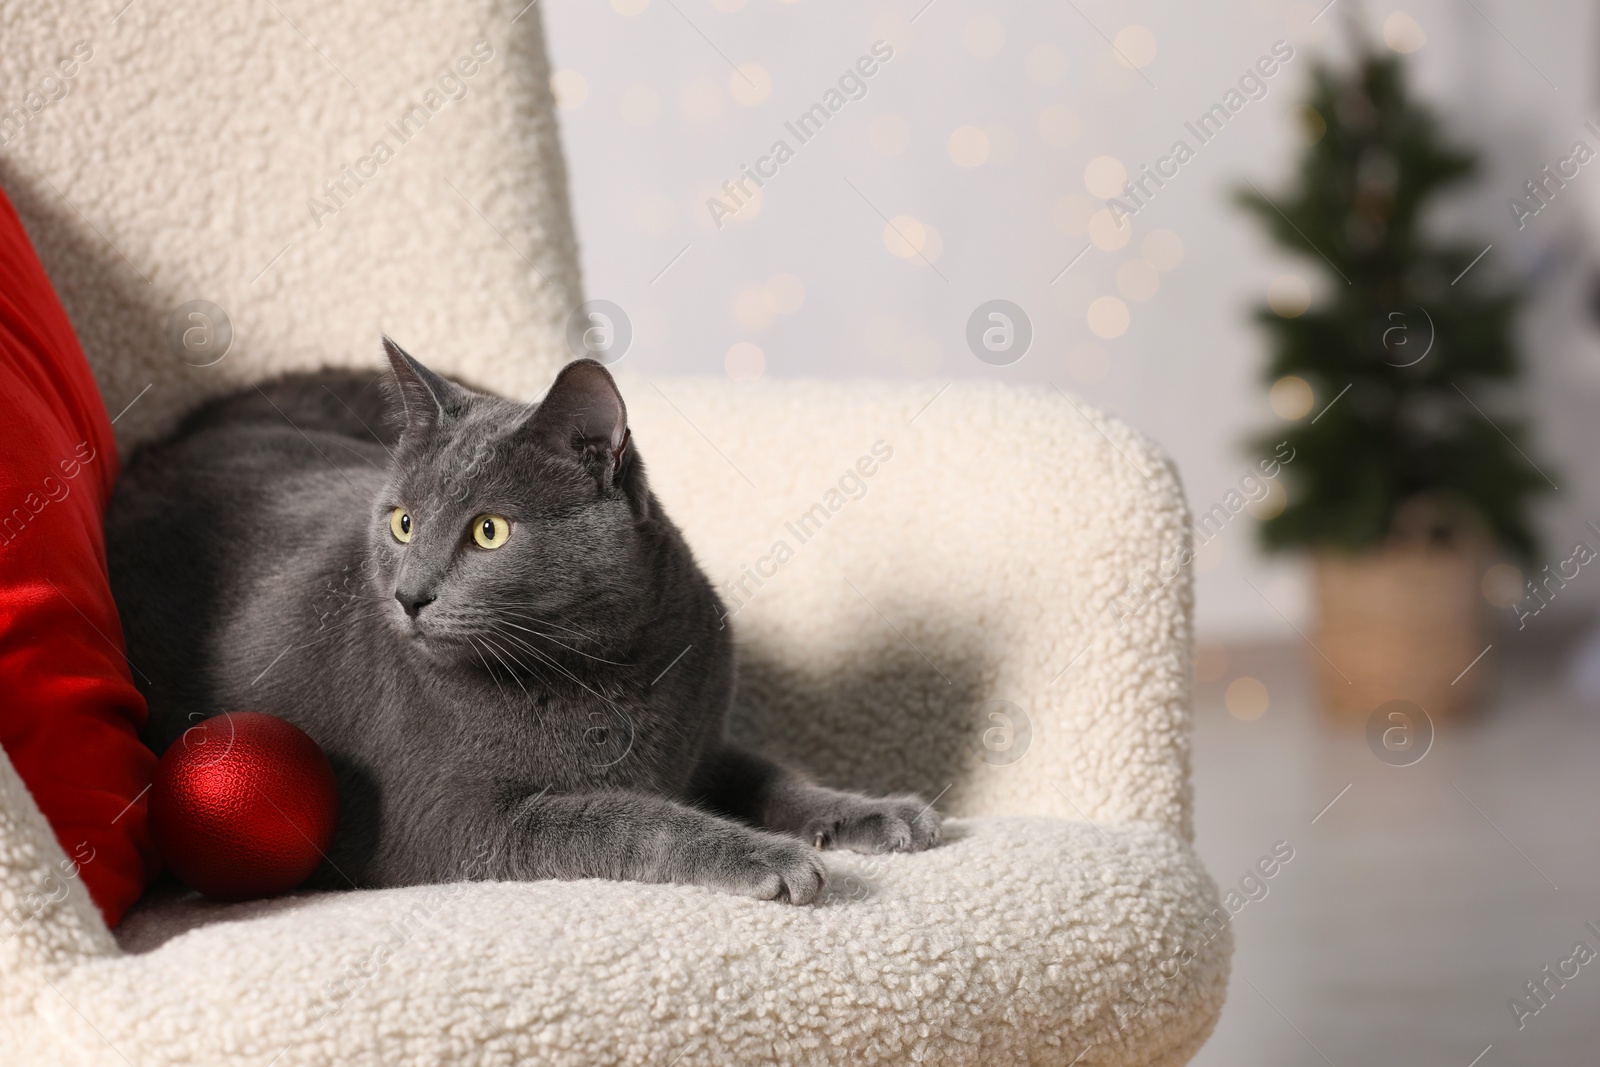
(1400, 623)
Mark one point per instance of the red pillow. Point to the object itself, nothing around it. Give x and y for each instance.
(69, 714)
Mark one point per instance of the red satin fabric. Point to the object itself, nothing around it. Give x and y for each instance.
(69, 712)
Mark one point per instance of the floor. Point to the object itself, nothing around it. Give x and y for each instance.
(1426, 896)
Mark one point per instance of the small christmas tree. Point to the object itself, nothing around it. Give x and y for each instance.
(1407, 345)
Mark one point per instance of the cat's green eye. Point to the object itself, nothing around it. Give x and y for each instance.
(400, 525)
(490, 531)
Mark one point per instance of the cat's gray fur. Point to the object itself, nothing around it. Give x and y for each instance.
(557, 706)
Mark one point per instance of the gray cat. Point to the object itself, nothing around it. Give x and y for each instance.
(480, 612)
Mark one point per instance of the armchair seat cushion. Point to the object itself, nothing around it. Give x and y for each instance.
(1019, 940)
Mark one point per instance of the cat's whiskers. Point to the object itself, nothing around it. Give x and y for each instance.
(538, 675)
(569, 626)
(502, 655)
(603, 699)
(559, 643)
(541, 625)
(524, 646)
(476, 651)
(529, 646)
(488, 669)
(492, 648)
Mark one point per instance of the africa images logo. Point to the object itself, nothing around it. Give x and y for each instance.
(852, 85)
(341, 189)
(1139, 191)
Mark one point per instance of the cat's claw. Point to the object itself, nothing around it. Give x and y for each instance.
(870, 824)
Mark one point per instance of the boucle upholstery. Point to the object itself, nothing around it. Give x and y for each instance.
(985, 558)
(182, 161)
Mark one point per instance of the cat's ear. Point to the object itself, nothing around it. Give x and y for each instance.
(583, 412)
(424, 398)
(583, 416)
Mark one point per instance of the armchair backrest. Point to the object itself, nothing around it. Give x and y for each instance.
(319, 172)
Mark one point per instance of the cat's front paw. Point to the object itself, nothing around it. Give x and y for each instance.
(769, 867)
(874, 824)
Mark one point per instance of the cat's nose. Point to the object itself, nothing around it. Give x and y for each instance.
(413, 602)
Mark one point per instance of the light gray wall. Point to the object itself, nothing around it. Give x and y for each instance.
(1186, 369)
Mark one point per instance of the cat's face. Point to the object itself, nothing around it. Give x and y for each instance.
(509, 534)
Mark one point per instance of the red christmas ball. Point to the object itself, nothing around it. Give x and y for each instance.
(243, 805)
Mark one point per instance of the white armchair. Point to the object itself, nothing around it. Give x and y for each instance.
(940, 616)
